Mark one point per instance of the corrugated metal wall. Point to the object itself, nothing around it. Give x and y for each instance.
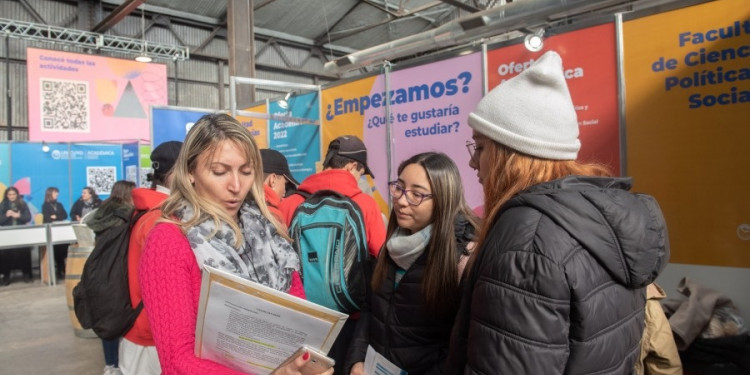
(193, 83)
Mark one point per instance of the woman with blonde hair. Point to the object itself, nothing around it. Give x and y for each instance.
(216, 215)
(558, 280)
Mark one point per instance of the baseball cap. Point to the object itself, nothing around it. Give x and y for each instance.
(164, 156)
(349, 146)
(275, 162)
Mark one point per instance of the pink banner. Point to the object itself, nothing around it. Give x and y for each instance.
(430, 105)
(78, 97)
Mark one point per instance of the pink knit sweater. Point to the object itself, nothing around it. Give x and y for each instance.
(170, 281)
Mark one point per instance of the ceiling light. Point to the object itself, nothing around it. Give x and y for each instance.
(284, 103)
(143, 56)
(533, 41)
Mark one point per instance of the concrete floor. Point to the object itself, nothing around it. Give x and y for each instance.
(37, 336)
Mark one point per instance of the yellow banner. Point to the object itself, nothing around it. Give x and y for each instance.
(343, 114)
(688, 135)
(258, 126)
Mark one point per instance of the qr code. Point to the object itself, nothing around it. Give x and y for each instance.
(101, 179)
(65, 105)
(131, 173)
(145, 183)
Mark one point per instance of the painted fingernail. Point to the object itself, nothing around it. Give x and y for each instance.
(306, 356)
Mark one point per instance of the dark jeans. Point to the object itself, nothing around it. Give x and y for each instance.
(110, 352)
(13, 259)
(61, 252)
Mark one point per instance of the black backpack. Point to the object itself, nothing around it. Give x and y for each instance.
(102, 298)
(329, 235)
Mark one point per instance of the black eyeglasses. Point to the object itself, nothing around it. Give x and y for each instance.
(412, 197)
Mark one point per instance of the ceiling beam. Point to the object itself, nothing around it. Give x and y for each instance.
(34, 14)
(117, 15)
(461, 5)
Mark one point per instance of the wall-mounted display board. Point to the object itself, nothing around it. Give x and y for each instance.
(144, 157)
(590, 66)
(344, 107)
(298, 138)
(78, 97)
(258, 126)
(430, 104)
(67, 166)
(170, 123)
(688, 134)
(428, 109)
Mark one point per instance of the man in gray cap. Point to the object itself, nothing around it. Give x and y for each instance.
(137, 348)
(277, 179)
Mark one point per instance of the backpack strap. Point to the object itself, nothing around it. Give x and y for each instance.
(137, 217)
(303, 194)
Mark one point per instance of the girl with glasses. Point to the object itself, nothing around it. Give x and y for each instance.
(416, 279)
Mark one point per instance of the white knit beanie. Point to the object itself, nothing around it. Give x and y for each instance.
(532, 113)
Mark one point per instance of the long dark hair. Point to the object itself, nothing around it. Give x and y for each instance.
(121, 193)
(440, 283)
(19, 197)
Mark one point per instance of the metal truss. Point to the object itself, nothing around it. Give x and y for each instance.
(94, 41)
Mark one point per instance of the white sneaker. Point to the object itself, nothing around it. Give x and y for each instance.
(112, 370)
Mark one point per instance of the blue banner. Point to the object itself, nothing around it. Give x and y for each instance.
(97, 166)
(130, 161)
(4, 167)
(298, 141)
(33, 170)
(172, 124)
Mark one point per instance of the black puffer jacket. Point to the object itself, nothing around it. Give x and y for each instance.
(398, 325)
(558, 286)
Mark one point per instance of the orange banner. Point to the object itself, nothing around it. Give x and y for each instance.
(688, 136)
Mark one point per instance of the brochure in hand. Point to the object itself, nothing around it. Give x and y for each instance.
(254, 328)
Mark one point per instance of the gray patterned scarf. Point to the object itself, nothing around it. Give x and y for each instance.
(264, 257)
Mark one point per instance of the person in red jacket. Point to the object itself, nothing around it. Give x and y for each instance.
(277, 179)
(137, 350)
(344, 164)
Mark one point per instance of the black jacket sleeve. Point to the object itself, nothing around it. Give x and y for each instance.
(61, 213)
(47, 212)
(358, 348)
(76, 210)
(4, 220)
(23, 208)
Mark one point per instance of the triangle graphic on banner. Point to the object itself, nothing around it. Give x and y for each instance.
(129, 105)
